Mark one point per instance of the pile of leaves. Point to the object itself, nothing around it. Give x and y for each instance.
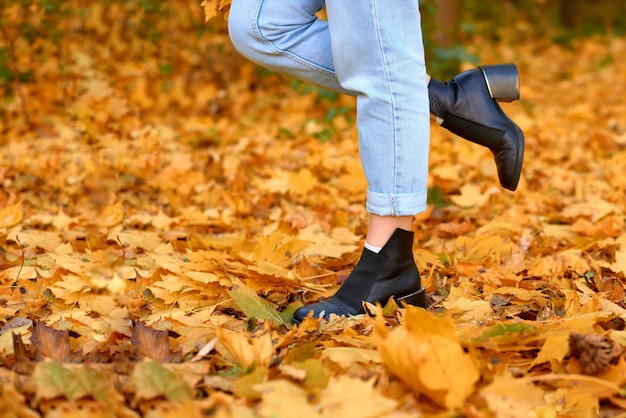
(165, 206)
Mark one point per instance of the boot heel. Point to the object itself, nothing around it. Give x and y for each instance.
(416, 299)
(502, 81)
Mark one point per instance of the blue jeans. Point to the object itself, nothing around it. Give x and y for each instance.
(371, 49)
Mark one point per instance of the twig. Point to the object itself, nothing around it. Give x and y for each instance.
(17, 238)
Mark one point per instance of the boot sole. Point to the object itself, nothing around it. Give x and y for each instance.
(416, 299)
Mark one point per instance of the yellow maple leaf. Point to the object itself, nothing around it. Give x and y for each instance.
(426, 354)
(471, 308)
(348, 397)
(111, 215)
(302, 182)
(470, 196)
(247, 351)
(210, 10)
(347, 356)
(221, 6)
(516, 398)
(281, 398)
(322, 244)
(558, 264)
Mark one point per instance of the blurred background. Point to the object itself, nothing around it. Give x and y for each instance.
(93, 75)
(167, 29)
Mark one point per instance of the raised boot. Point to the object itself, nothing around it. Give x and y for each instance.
(468, 106)
(375, 278)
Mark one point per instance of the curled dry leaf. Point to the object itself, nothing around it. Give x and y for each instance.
(596, 353)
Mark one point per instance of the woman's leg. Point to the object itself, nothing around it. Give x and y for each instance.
(377, 55)
(287, 36)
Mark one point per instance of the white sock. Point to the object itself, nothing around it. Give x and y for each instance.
(372, 248)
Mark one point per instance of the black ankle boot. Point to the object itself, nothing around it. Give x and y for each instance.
(376, 278)
(467, 104)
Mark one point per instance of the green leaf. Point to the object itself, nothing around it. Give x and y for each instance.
(254, 306)
(51, 380)
(151, 380)
(244, 386)
(94, 382)
(287, 313)
(316, 376)
(502, 330)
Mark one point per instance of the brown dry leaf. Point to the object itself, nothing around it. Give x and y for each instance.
(454, 229)
(10, 337)
(426, 354)
(51, 343)
(595, 352)
(556, 347)
(151, 343)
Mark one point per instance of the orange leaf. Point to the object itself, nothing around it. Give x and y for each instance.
(11, 215)
(426, 354)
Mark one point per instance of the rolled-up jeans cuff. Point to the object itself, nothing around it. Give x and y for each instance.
(396, 204)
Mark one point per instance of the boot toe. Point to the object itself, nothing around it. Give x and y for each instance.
(324, 309)
(319, 310)
(300, 314)
(509, 160)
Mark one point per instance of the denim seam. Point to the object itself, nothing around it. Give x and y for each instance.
(288, 54)
(394, 204)
(393, 106)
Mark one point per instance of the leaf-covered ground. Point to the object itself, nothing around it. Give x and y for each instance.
(165, 205)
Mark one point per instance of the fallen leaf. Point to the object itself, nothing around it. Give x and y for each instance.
(150, 380)
(516, 398)
(51, 343)
(151, 343)
(595, 352)
(346, 356)
(253, 305)
(347, 397)
(247, 351)
(281, 398)
(471, 195)
(11, 215)
(425, 353)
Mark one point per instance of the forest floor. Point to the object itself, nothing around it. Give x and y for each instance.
(165, 206)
